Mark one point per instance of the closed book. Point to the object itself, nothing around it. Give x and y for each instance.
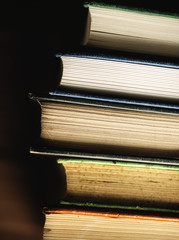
(62, 223)
(121, 183)
(73, 125)
(120, 76)
(125, 182)
(133, 30)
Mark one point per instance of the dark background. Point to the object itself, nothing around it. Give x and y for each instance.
(31, 32)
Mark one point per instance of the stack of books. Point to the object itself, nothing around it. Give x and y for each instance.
(113, 126)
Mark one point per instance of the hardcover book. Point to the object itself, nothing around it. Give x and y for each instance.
(74, 125)
(120, 76)
(133, 30)
(93, 224)
(121, 183)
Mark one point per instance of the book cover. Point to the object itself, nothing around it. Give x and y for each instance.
(45, 152)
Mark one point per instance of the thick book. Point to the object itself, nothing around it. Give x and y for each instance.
(119, 76)
(75, 125)
(116, 181)
(121, 183)
(64, 223)
(133, 30)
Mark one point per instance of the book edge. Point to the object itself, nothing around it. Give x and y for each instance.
(109, 214)
(117, 163)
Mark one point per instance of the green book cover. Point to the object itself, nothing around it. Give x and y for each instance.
(117, 207)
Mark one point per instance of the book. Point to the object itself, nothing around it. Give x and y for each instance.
(94, 224)
(120, 183)
(75, 125)
(133, 30)
(119, 76)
